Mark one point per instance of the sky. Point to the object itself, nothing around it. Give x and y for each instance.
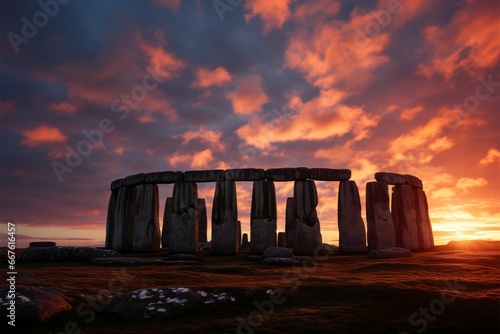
(92, 91)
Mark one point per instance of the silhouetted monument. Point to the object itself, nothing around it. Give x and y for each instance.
(132, 220)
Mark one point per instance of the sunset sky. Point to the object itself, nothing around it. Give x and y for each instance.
(410, 87)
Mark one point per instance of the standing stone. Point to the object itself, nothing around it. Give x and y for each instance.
(184, 225)
(167, 217)
(263, 216)
(202, 219)
(381, 234)
(225, 219)
(307, 230)
(281, 239)
(239, 233)
(123, 226)
(110, 220)
(352, 234)
(290, 222)
(422, 218)
(404, 217)
(431, 234)
(244, 242)
(146, 223)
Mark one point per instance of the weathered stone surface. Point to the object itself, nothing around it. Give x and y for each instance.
(425, 237)
(123, 260)
(202, 220)
(279, 252)
(123, 226)
(33, 305)
(307, 227)
(184, 257)
(290, 222)
(245, 174)
(213, 175)
(389, 253)
(329, 174)
(146, 223)
(110, 219)
(244, 242)
(431, 234)
(65, 253)
(134, 180)
(43, 244)
(381, 232)
(390, 178)
(287, 174)
(413, 181)
(161, 302)
(263, 216)
(281, 239)
(167, 217)
(116, 184)
(352, 234)
(404, 217)
(164, 177)
(225, 219)
(184, 225)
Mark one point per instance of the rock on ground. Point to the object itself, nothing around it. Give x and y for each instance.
(389, 253)
(277, 252)
(65, 253)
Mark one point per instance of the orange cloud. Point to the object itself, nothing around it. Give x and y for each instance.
(202, 159)
(209, 137)
(320, 118)
(466, 183)
(336, 52)
(42, 135)
(468, 42)
(248, 96)
(178, 159)
(490, 158)
(63, 106)
(206, 78)
(410, 113)
(274, 13)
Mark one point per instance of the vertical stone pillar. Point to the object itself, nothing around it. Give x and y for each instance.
(167, 217)
(239, 233)
(281, 239)
(263, 216)
(123, 227)
(404, 217)
(202, 218)
(307, 230)
(380, 227)
(110, 220)
(146, 236)
(225, 219)
(422, 218)
(244, 242)
(431, 234)
(290, 222)
(352, 234)
(184, 225)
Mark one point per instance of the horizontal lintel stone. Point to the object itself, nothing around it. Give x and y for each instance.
(329, 174)
(395, 179)
(287, 174)
(117, 184)
(164, 177)
(245, 174)
(134, 180)
(211, 175)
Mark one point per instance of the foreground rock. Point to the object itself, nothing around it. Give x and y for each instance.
(389, 253)
(278, 252)
(65, 253)
(162, 302)
(33, 305)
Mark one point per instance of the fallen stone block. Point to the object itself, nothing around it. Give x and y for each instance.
(280, 252)
(389, 253)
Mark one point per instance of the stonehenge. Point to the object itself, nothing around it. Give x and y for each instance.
(133, 211)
